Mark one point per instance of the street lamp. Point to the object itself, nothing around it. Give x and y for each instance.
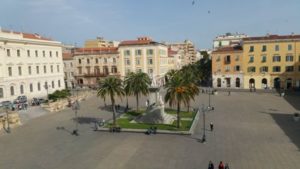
(47, 88)
(8, 127)
(76, 107)
(204, 110)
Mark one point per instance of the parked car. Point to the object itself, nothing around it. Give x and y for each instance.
(37, 101)
(6, 104)
(21, 99)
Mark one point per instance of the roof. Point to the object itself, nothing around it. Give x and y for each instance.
(171, 52)
(67, 56)
(272, 37)
(27, 35)
(100, 50)
(229, 49)
(139, 41)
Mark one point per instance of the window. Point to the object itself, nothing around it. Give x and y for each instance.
(71, 64)
(139, 70)
(79, 61)
(20, 70)
(276, 47)
(79, 70)
(39, 86)
(56, 53)
(137, 61)
(28, 53)
(12, 91)
(251, 49)
(263, 58)
(150, 71)
(276, 58)
(251, 69)
(162, 52)
(276, 68)
(50, 53)
(29, 70)
(290, 47)
(58, 82)
(8, 52)
(126, 52)
(289, 68)
(150, 52)
(105, 60)
(251, 58)
(237, 68)
(114, 60)
(127, 71)
(52, 84)
(237, 58)
(138, 52)
(36, 53)
(264, 48)
(218, 59)
(150, 61)
(31, 87)
(37, 69)
(1, 93)
(289, 58)
(227, 68)
(264, 69)
(227, 59)
(96, 60)
(88, 61)
(57, 67)
(127, 61)
(299, 68)
(9, 71)
(44, 53)
(18, 53)
(22, 89)
(51, 68)
(45, 69)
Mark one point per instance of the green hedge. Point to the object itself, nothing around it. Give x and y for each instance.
(59, 94)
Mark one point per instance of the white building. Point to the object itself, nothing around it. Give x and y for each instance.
(228, 39)
(30, 65)
(144, 55)
(69, 69)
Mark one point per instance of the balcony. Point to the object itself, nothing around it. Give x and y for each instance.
(95, 74)
(226, 62)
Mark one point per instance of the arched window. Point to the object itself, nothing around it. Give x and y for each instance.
(22, 89)
(39, 86)
(237, 82)
(12, 91)
(1, 93)
(218, 82)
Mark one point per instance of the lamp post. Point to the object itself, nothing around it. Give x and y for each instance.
(7, 118)
(204, 110)
(76, 107)
(47, 89)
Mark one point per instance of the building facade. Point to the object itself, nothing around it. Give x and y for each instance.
(92, 64)
(69, 70)
(188, 54)
(229, 39)
(227, 63)
(272, 61)
(100, 42)
(30, 65)
(144, 55)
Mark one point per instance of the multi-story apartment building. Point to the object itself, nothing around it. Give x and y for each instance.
(229, 39)
(272, 61)
(30, 65)
(69, 69)
(189, 51)
(144, 55)
(100, 42)
(227, 67)
(95, 63)
(268, 62)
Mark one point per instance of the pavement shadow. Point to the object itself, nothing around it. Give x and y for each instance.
(62, 128)
(108, 108)
(293, 98)
(87, 120)
(288, 126)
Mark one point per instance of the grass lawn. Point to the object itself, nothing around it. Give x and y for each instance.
(184, 125)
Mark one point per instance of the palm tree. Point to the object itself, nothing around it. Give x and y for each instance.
(112, 87)
(177, 93)
(137, 84)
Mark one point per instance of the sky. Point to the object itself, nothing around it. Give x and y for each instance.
(74, 21)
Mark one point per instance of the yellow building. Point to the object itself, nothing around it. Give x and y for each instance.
(100, 42)
(271, 61)
(227, 67)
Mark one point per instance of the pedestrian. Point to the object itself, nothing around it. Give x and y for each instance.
(226, 166)
(211, 126)
(211, 165)
(221, 165)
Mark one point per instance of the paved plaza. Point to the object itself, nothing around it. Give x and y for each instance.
(252, 131)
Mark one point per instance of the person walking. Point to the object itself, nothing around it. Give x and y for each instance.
(211, 165)
(211, 126)
(221, 165)
(226, 166)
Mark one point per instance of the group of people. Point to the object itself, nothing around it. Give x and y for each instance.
(221, 165)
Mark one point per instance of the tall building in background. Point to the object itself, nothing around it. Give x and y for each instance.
(100, 42)
(30, 65)
(92, 64)
(187, 49)
(69, 70)
(144, 55)
(229, 39)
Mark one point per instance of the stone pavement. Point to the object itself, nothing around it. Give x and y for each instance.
(251, 131)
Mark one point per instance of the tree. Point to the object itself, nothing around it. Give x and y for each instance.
(112, 87)
(137, 84)
(177, 93)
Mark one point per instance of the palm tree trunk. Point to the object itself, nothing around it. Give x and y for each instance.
(126, 102)
(188, 106)
(137, 102)
(178, 116)
(114, 110)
